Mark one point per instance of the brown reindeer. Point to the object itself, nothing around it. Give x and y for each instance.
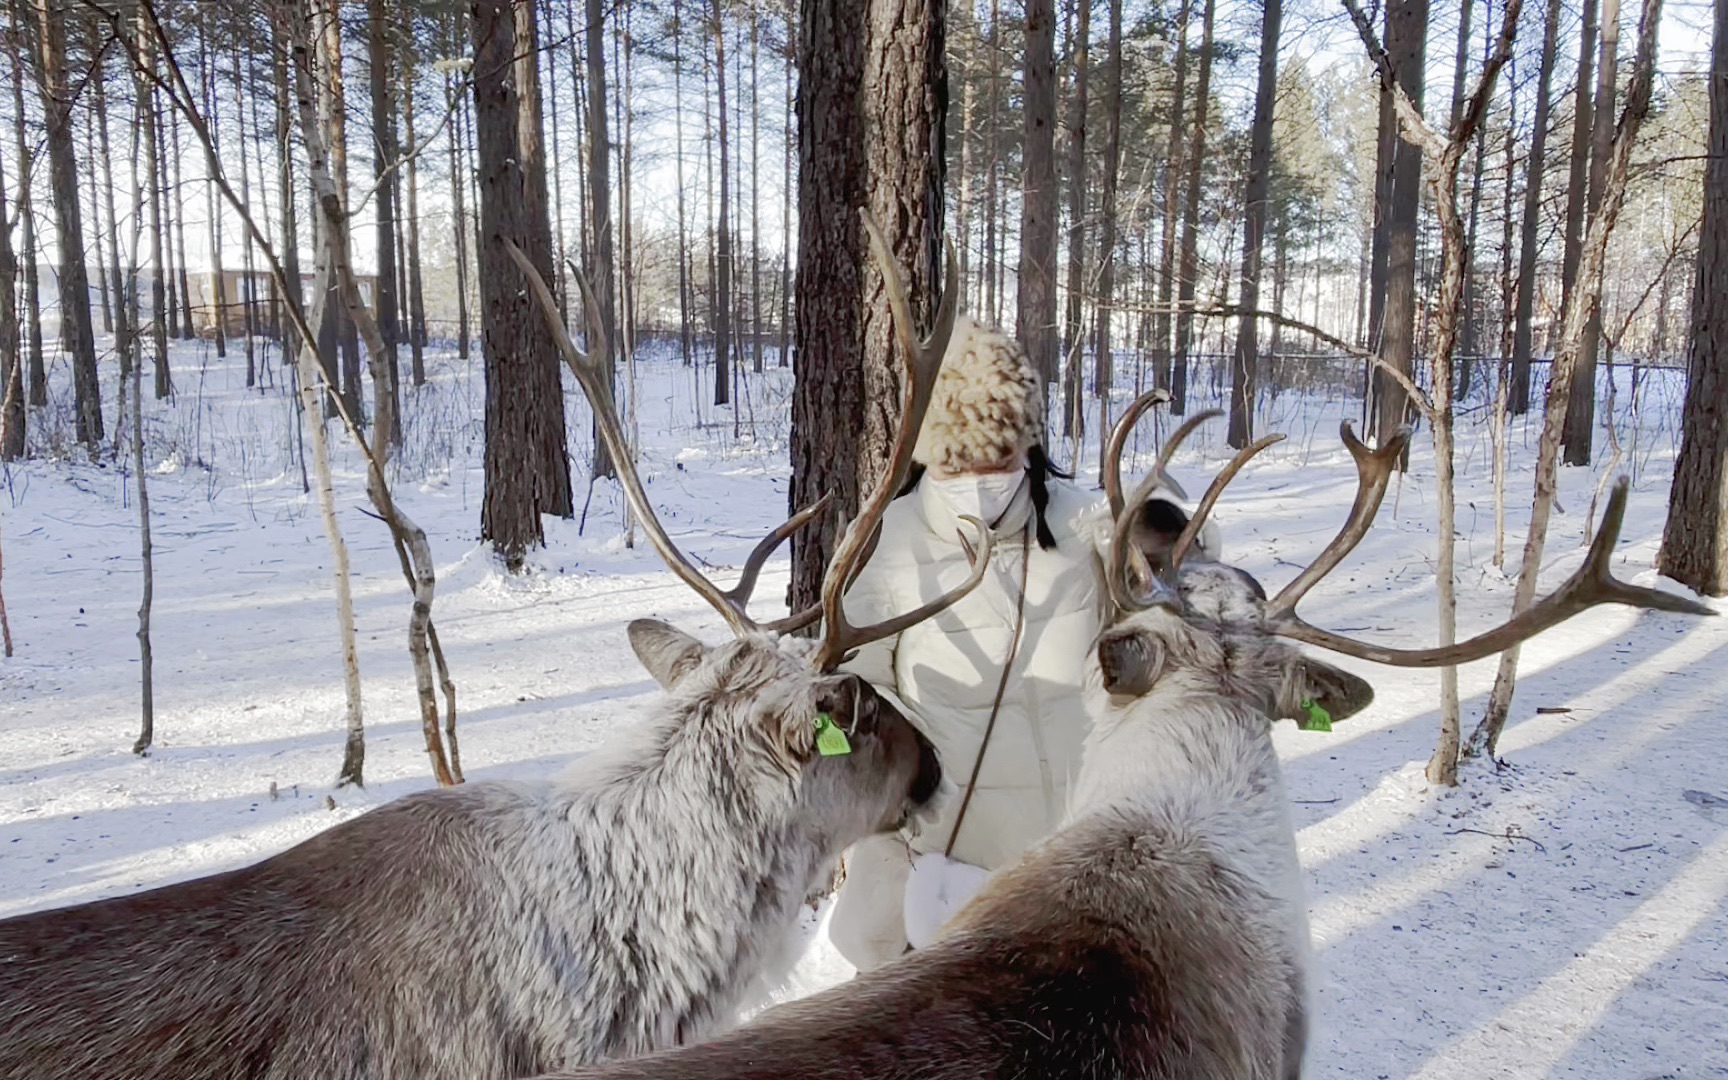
(500, 929)
(1160, 933)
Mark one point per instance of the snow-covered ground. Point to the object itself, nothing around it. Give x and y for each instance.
(1562, 917)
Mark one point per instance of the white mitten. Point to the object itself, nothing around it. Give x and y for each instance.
(936, 888)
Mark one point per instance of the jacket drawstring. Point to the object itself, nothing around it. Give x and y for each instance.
(1001, 688)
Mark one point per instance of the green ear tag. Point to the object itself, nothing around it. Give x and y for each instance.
(1318, 719)
(830, 740)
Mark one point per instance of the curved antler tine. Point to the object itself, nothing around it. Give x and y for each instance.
(1373, 473)
(923, 355)
(596, 385)
(1118, 441)
(739, 594)
(840, 638)
(1123, 552)
(1175, 441)
(1179, 550)
(923, 363)
(1591, 584)
(795, 622)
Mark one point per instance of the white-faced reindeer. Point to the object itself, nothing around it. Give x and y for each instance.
(501, 929)
(1160, 933)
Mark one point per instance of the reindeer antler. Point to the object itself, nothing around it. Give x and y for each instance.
(1590, 585)
(923, 362)
(595, 381)
(1373, 473)
(1117, 575)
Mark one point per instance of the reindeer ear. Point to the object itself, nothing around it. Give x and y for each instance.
(1131, 663)
(668, 653)
(1340, 693)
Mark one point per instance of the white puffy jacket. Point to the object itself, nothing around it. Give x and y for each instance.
(946, 670)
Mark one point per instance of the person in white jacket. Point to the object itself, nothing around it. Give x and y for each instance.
(994, 681)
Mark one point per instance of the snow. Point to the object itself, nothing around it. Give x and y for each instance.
(1563, 916)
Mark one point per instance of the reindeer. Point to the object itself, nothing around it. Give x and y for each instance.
(500, 929)
(1160, 933)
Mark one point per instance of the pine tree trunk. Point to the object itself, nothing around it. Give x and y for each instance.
(601, 268)
(1073, 325)
(1406, 41)
(1578, 174)
(459, 209)
(416, 287)
(1176, 145)
(722, 298)
(77, 337)
(12, 410)
(1245, 363)
(1035, 320)
(1518, 393)
(386, 398)
(37, 391)
(992, 166)
(1695, 540)
(1575, 438)
(98, 225)
(789, 60)
(290, 247)
(152, 170)
(755, 201)
(869, 122)
(246, 283)
(218, 273)
(527, 469)
(116, 287)
(684, 288)
(1187, 267)
(1103, 368)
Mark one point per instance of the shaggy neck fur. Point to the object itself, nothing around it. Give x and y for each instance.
(1187, 758)
(693, 913)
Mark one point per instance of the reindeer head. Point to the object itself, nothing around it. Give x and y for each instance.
(856, 764)
(1211, 627)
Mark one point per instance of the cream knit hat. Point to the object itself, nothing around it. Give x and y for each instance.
(988, 404)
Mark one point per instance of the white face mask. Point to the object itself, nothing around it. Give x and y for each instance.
(985, 496)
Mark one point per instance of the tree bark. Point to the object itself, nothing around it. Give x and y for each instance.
(32, 345)
(1575, 437)
(12, 411)
(527, 470)
(416, 286)
(871, 98)
(1073, 325)
(1187, 270)
(1406, 44)
(722, 295)
(1579, 162)
(1245, 362)
(1175, 167)
(1035, 316)
(602, 265)
(77, 337)
(1695, 540)
(1103, 363)
(1518, 393)
(218, 276)
(386, 398)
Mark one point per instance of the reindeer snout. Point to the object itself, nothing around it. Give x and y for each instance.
(929, 776)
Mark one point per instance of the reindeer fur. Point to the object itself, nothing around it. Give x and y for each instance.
(496, 929)
(1159, 934)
